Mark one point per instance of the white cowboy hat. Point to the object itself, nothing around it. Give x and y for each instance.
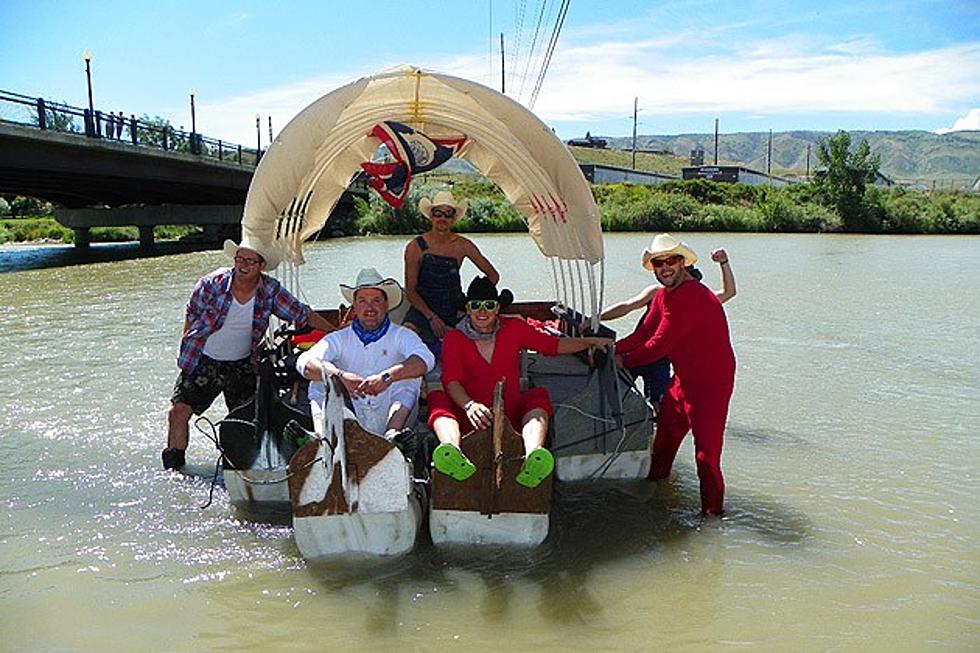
(666, 245)
(442, 198)
(268, 253)
(371, 278)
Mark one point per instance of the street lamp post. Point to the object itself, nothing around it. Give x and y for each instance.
(194, 148)
(90, 123)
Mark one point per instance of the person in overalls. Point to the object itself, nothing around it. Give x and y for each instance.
(432, 264)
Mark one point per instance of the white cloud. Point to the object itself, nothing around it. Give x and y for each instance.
(969, 122)
(597, 80)
(233, 119)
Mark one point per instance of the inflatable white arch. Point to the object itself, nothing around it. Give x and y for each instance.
(303, 174)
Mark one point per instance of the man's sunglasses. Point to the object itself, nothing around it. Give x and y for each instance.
(670, 260)
(443, 213)
(477, 304)
(247, 261)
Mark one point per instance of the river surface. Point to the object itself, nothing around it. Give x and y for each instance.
(852, 458)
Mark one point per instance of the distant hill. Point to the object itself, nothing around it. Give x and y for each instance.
(670, 164)
(905, 155)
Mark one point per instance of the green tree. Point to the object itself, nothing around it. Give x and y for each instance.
(19, 206)
(151, 131)
(56, 121)
(847, 175)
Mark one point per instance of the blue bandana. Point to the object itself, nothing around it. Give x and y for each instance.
(367, 337)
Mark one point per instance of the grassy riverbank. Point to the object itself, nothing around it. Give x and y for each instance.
(704, 206)
(673, 206)
(47, 229)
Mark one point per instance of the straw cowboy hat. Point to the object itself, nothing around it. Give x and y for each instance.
(371, 278)
(666, 245)
(442, 198)
(268, 253)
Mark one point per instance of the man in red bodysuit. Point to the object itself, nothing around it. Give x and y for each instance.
(687, 324)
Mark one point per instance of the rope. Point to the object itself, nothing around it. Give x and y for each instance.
(213, 436)
(585, 414)
(554, 276)
(273, 481)
(621, 375)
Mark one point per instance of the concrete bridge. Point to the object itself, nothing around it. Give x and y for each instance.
(130, 186)
(106, 170)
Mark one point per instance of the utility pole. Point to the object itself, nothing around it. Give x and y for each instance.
(808, 161)
(716, 141)
(258, 138)
(635, 104)
(769, 158)
(270, 130)
(503, 88)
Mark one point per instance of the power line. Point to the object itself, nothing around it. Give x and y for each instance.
(562, 12)
(490, 41)
(534, 45)
(518, 37)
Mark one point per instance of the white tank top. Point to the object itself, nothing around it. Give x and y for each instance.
(233, 341)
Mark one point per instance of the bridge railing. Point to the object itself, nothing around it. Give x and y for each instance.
(47, 115)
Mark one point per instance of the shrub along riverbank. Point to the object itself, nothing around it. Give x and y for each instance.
(672, 206)
(47, 229)
(703, 205)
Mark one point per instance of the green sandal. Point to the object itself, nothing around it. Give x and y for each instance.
(537, 467)
(450, 461)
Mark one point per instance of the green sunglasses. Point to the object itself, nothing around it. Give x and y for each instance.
(477, 304)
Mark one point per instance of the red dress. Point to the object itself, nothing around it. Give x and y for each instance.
(462, 362)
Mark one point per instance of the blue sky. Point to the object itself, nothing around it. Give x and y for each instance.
(754, 64)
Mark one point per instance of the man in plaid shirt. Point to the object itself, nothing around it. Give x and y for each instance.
(226, 317)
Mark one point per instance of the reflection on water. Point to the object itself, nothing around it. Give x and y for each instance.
(850, 463)
(14, 257)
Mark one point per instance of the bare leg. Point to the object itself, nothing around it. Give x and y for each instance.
(178, 431)
(534, 429)
(398, 415)
(447, 430)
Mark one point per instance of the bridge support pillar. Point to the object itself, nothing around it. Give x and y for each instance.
(83, 237)
(217, 219)
(146, 236)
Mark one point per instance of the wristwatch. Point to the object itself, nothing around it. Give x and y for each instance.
(386, 377)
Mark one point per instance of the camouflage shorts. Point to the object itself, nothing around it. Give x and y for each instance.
(200, 388)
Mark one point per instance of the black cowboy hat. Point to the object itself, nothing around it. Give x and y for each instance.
(483, 288)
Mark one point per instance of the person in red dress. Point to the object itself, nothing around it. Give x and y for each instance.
(484, 348)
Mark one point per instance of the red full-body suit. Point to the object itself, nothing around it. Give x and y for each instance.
(688, 325)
